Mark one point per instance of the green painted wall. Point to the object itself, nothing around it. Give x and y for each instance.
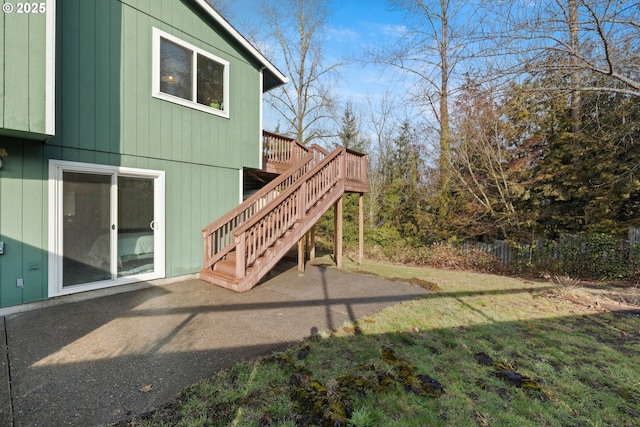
(118, 113)
(23, 72)
(23, 229)
(105, 114)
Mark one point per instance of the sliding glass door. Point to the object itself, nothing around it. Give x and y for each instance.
(86, 228)
(106, 226)
(136, 226)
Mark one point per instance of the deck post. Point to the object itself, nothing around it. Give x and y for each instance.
(360, 228)
(337, 230)
(307, 238)
(241, 256)
(301, 255)
(312, 243)
(207, 251)
(302, 201)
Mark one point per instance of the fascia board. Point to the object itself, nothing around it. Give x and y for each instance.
(243, 41)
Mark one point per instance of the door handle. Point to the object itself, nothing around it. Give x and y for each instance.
(152, 225)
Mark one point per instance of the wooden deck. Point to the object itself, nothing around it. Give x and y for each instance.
(247, 242)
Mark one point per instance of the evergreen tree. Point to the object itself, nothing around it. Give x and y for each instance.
(349, 135)
(400, 199)
(584, 181)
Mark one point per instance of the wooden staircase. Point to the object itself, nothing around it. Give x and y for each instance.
(242, 246)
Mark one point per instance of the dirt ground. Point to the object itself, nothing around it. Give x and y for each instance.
(603, 296)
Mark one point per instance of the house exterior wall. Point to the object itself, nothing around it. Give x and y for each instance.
(26, 102)
(23, 181)
(105, 114)
(105, 82)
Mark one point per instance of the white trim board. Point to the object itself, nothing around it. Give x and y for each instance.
(50, 79)
(157, 34)
(56, 217)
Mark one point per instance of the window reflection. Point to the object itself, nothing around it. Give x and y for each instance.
(177, 79)
(210, 83)
(175, 70)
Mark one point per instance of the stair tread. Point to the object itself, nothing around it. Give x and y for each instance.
(221, 275)
(225, 270)
(225, 267)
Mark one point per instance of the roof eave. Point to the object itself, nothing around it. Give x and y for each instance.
(277, 75)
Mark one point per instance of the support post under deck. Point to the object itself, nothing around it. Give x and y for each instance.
(360, 228)
(337, 230)
(312, 243)
(301, 255)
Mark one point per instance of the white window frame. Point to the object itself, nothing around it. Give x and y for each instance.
(56, 217)
(50, 82)
(155, 79)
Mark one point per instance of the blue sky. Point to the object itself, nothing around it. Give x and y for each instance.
(354, 25)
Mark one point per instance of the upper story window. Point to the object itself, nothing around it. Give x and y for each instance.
(187, 75)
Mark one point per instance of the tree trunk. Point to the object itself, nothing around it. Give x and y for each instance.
(576, 98)
(445, 132)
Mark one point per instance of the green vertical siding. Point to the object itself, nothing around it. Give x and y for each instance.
(107, 115)
(2, 61)
(104, 131)
(36, 80)
(89, 119)
(11, 224)
(68, 59)
(34, 232)
(16, 69)
(86, 82)
(22, 224)
(23, 73)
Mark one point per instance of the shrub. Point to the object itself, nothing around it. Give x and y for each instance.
(437, 255)
(587, 256)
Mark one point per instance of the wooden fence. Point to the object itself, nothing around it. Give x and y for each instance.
(634, 235)
(581, 255)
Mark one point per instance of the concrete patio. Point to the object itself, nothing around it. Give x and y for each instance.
(105, 359)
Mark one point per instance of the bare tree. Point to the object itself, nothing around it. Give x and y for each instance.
(222, 7)
(574, 41)
(432, 52)
(297, 27)
(383, 122)
(572, 37)
(483, 160)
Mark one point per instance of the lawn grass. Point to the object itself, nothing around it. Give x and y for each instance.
(478, 350)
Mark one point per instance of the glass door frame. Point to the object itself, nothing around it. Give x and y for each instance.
(56, 218)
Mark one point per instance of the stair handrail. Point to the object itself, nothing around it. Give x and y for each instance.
(218, 237)
(318, 152)
(296, 199)
(337, 152)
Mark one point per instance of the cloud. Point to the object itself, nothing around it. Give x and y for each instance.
(393, 30)
(342, 34)
(377, 29)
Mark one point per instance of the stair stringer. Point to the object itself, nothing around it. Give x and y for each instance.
(279, 249)
(265, 263)
(254, 251)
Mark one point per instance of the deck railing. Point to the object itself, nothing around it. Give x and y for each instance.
(356, 166)
(254, 237)
(266, 219)
(218, 236)
(281, 151)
